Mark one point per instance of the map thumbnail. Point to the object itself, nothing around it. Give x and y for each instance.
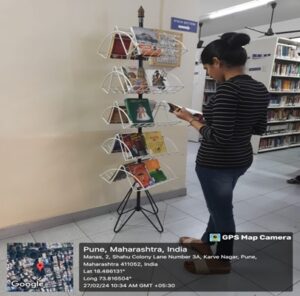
(40, 267)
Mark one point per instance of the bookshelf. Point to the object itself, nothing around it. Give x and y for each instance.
(204, 87)
(210, 87)
(275, 61)
(140, 150)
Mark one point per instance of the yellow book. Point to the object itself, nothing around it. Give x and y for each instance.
(155, 142)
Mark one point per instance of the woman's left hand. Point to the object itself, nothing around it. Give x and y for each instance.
(183, 114)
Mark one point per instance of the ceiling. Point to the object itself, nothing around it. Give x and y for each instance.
(285, 10)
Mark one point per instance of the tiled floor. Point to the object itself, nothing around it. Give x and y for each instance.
(263, 201)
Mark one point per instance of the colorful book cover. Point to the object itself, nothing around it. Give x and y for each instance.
(147, 41)
(140, 172)
(121, 45)
(153, 167)
(170, 43)
(136, 80)
(158, 176)
(152, 164)
(155, 142)
(135, 143)
(139, 110)
(139, 144)
(157, 79)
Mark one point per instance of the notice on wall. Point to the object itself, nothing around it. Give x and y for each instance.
(183, 25)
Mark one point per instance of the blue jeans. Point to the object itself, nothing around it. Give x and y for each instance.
(217, 185)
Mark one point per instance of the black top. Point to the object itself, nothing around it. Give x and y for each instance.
(237, 111)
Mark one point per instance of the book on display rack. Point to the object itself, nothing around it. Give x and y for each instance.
(155, 142)
(147, 143)
(121, 46)
(135, 142)
(157, 79)
(119, 174)
(139, 110)
(147, 172)
(122, 114)
(139, 171)
(153, 167)
(136, 80)
(147, 40)
(170, 43)
(118, 116)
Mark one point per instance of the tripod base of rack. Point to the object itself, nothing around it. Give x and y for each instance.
(138, 208)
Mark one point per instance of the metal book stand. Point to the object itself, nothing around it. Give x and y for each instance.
(138, 208)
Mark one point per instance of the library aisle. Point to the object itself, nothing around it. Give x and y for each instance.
(263, 201)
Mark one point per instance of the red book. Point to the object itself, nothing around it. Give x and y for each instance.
(118, 49)
(140, 172)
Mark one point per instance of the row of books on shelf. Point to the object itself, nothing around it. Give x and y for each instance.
(207, 97)
(147, 172)
(163, 46)
(287, 100)
(280, 141)
(290, 52)
(140, 144)
(210, 85)
(283, 128)
(286, 69)
(283, 114)
(279, 84)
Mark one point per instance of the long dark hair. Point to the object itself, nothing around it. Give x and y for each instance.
(227, 49)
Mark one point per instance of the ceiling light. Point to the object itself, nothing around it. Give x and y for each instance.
(237, 8)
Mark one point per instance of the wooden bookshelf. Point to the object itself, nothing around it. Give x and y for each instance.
(275, 62)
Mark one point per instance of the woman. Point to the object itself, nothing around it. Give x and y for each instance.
(237, 111)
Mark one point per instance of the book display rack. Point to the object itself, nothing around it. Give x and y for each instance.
(276, 62)
(125, 43)
(140, 149)
(123, 80)
(133, 148)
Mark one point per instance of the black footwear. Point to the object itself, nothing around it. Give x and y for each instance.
(295, 180)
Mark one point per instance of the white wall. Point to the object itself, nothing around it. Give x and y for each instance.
(51, 103)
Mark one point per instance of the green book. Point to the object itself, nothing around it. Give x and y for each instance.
(158, 176)
(139, 110)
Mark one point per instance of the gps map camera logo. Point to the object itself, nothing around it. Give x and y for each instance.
(39, 267)
(214, 237)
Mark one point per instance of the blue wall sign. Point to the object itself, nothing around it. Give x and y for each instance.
(183, 25)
